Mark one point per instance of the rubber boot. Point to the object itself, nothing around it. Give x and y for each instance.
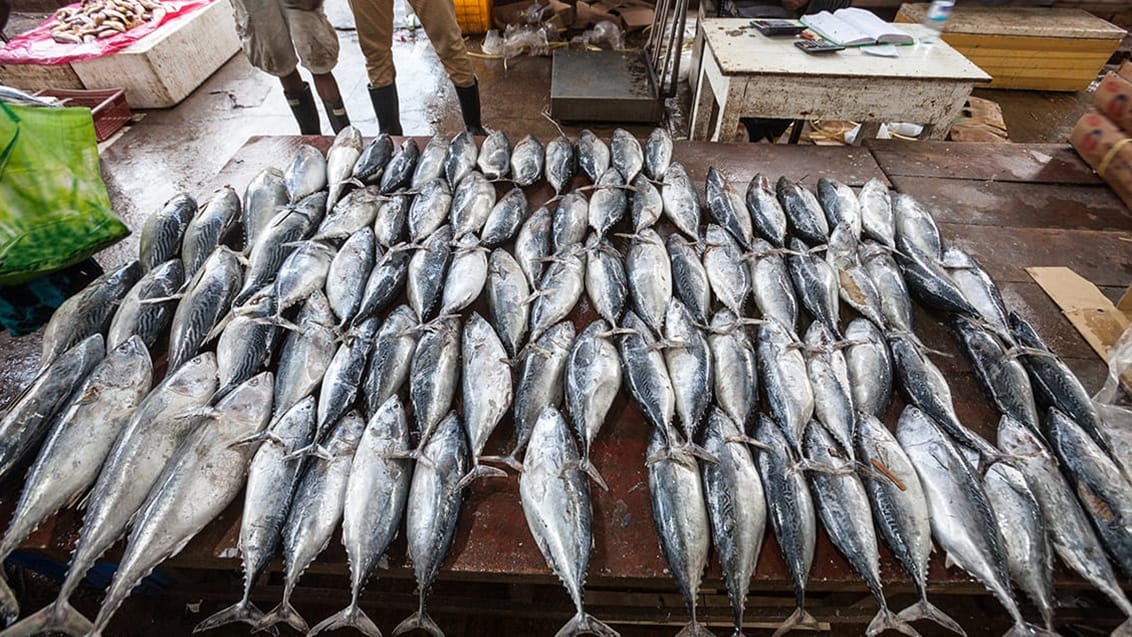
(469, 97)
(336, 113)
(386, 108)
(304, 110)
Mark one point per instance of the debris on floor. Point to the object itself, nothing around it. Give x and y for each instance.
(981, 121)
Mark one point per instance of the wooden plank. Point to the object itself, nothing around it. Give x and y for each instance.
(1020, 21)
(999, 203)
(966, 43)
(1030, 163)
(1090, 311)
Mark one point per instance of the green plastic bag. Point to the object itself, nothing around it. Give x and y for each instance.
(54, 208)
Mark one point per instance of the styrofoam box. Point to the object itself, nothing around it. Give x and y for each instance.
(162, 68)
(34, 77)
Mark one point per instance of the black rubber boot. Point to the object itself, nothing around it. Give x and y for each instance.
(469, 97)
(386, 108)
(336, 113)
(304, 110)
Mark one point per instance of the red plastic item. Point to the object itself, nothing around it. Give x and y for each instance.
(107, 106)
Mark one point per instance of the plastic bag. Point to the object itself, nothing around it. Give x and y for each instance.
(492, 43)
(1114, 402)
(605, 34)
(55, 211)
(519, 39)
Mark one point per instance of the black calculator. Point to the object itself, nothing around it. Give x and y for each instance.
(818, 46)
(774, 26)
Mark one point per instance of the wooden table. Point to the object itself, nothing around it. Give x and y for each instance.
(1011, 205)
(743, 73)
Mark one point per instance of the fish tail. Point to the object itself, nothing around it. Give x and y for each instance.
(923, 609)
(480, 471)
(349, 617)
(9, 605)
(591, 471)
(59, 617)
(1123, 630)
(285, 613)
(694, 629)
(418, 621)
(1022, 629)
(242, 611)
(800, 618)
(884, 620)
(586, 624)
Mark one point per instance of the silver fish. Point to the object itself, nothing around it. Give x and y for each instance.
(265, 195)
(385, 283)
(494, 159)
(561, 286)
(472, 201)
(560, 163)
(428, 268)
(1002, 377)
(855, 284)
(804, 215)
(340, 161)
(306, 174)
(869, 365)
(784, 377)
(625, 154)
(461, 159)
(681, 203)
(355, 211)
(689, 277)
(316, 508)
(593, 155)
(728, 208)
(429, 209)
(392, 220)
(915, 226)
(608, 202)
(433, 375)
(208, 228)
(527, 158)
(274, 245)
(771, 285)
(431, 163)
(505, 218)
(200, 481)
(375, 156)
(768, 219)
(689, 362)
(508, 297)
(303, 272)
(556, 503)
(391, 358)
(348, 273)
(736, 368)
(829, 378)
(895, 303)
(816, 285)
(147, 320)
(486, 389)
(877, 221)
(570, 219)
(658, 153)
(306, 354)
(607, 285)
(646, 377)
(208, 297)
(343, 377)
(728, 275)
(164, 231)
(592, 380)
(466, 276)
(930, 282)
(840, 205)
(540, 383)
(645, 203)
(532, 244)
(650, 278)
(399, 172)
(976, 286)
(88, 312)
(246, 343)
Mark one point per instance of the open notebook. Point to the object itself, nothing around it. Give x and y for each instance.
(855, 27)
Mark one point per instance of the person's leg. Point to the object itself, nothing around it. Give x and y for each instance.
(374, 20)
(266, 40)
(317, 45)
(438, 17)
(301, 101)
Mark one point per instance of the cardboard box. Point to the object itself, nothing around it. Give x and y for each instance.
(1107, 149)
(1113, 98)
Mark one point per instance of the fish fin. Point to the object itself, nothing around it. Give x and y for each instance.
(256, 438)
(161, 299)
(821, 467)
(1019, 350)
(277, 321)
(508, 460)
(586, 624)
(747, 440)
(284, 612)
(200, 412)
(703, 454)
(59, 617)
(695, 629)
(884, 620)
(300, 452)
(800, 618)
(219, 394)
(923, 609)
(592, 472)
(242, 611)
(480, 471)
(320, 452)
(418, 621)
(949, 561)
(349, 617)
(1022, 629)
(616, 331)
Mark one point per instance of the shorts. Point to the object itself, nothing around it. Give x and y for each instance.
(276, 39)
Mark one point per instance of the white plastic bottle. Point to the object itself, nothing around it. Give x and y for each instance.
(936, 18)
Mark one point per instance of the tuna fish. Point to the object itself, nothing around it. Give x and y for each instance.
(646, 377)
(782, 370)
(430, 165)
(384, 284)
(930, 282)
(916, 227)
(625, 154)
(429, 209)
(428, 268)
(727, 273)
(505, 218)
(592, 380)
(340, 161)
(207, 299)
(658, 153)
(390, 359)
(558, 292)
(650, 278)
(494, 159)
(461, 159)
(373, 160)
(1002, 377)
(689, 277)
(466, 276)
(508, 297)
(434, 374)
(306, 354)
(208, 228)
(803, 212)
(398, 172)
(571, 219)
(302, 273)
(877, 222)
(88, 312)
(348, 273)
(735, 368)
(540, 383)
(351, 213)
(593, 155)
(689, 362)
(306, 174)
(164, 231)
(532, 244)
(607, 284)
(147, 320)
(486, 394)
(829, 377)
(855, 285)
(816, 285)
(977, 287)
(840, 205)
(265, 195)
(246, 344)
(645, 203)
(472, 201)
(276, 242)
(681, 203)
(527, 159)
(608, 202)
(391, 222)
(887, 278)
(771, 285)
(343, 377)
(728, 208)
(768, 219)
(869, 364)
(560, 163)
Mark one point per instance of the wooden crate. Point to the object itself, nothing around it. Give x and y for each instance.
(1047, 49)
(162, 68)
(36, 77)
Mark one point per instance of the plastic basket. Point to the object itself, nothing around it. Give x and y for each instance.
(473, 16)
(108, 107)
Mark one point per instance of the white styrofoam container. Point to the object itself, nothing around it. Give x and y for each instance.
(34, 77)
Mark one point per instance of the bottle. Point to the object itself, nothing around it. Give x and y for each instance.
(936, 18)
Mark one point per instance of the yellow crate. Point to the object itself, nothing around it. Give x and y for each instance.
(473, 16)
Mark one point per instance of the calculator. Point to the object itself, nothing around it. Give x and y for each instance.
(778, 26)
(818, 46)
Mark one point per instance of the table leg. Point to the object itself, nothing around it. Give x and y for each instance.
(868, 130)
(703, 103)
(731, 105)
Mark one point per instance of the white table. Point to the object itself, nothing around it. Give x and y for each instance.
(746, 74)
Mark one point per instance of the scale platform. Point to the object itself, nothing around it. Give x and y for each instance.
(603, 86)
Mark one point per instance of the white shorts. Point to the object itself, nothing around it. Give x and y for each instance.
(276, 39)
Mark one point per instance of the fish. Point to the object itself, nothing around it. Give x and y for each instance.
(201, 480)
(887, 278)
(472, 201)
(340, 161)
(931, 284)
(374, 158)
(728, 208)
(561, 286)
(626, 154)
(384, 284)
(791, 512)
(785, 380)
(869, 364)
(916, 227)
(433, 375)
(593, 155)
(428, 268)
(728, 275)
(357, 210)
(136, 460)
(429, 209)
(771, 285)
(343, 377)
(80, 437)
(676, 493)
(461, 159)
(592, 379)
(877, 222)
(977, 287)
(539, 385)
(1068, 528)
(208, 228)
(306, 174)
(527, 158)
(650, 278)
(804, 215)
(305, 355)
(561, 164)
(433, 511)
(391, 221)
(466, 276)
(816, 285)
(494, 159)
(265, 194)
(390, 359)
(147, 320)
(303, 271)
(532, 244)
(736, 507)
(508, 298)
(245, 344)
(164, 231)
(855, 284)
(1028, 558)
(689, 362)
(689, 277)
(1003, 378)
(735, 367)
(607, 284)
(768, 220)
(556, 504)
(208, 297)
(316, 509)
(430, 165)
(646, 377)
(961, 517)
(658, 153)
(348, 273)
(608, 202)
(645, 203)
(829, 377)
(900, 510)
(398, 172)
(840, 205)
(485, 390)
(88, 312)
(377, 491)
(570, 221)
(277, 241)
(681, 203)
(273, 476)
(505, 218)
